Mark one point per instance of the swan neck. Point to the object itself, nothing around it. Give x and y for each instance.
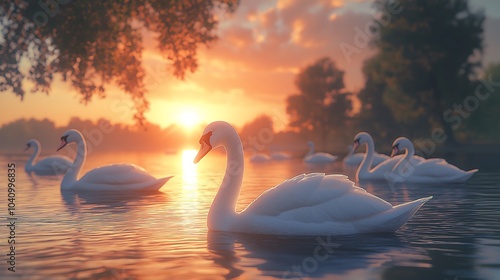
(73, 172)
(223, 208)
(33, 157)
(368, 159)
(311, 150)
(403, 162)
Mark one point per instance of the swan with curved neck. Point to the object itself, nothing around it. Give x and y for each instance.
(114, 177)
(382, 170)
(354, 159)
(52, 165)
(312, 157)
(434, 170)
(308, 204)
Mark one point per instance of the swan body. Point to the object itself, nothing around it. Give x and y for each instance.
(312, 157)
(380, 172)
(109, 178)
(426, 171)
(280, 156)
(51, 165)
(259, 158)
(308, 204)
(354, 159)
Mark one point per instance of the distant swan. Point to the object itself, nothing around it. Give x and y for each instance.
(312, 204)
(354, 159)
(312, 157)
(280, 156)
(52, 165)
(259, 158)
(434, 170)
(382, 170)
(113, 177)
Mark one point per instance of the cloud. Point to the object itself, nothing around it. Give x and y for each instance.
(264, 44)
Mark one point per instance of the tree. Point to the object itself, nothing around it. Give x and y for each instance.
(93, 43)
(375, 117)
(427, 53)
(322, 103)
(481, 121)
(257, 134)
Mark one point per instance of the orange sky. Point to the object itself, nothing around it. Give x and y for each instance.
(247, 72)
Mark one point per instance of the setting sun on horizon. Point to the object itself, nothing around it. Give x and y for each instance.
(188, 119)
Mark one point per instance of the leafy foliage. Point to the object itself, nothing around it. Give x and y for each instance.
(428, 54)
(322, 103)
(482, 123)
(92, 43)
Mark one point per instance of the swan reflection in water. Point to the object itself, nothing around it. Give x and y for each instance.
(299, 257)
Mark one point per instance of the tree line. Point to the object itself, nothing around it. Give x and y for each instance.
(425, 81)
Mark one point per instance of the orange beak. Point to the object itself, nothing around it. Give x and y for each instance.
(204, 149)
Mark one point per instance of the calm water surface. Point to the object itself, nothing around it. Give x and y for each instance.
(164, 236)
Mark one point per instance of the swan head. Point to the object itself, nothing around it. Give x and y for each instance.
(32, 143)
(310, 144)
(215, 135)
(360, 139)
(400, 144)
(70, 136)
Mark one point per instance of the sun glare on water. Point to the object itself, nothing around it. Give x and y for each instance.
(189, 176)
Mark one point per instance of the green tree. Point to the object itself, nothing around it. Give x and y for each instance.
(482, 123)
(322, 104)
(93, 43)
(427, 53)
(375, 117)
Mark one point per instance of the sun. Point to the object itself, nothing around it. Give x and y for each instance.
(188, 119)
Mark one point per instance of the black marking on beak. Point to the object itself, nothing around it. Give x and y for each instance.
(64, 142)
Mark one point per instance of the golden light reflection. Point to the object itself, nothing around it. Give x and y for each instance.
(189, 174)
(190, 196)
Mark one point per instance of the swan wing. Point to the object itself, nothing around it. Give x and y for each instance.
(317, 198)
(52, 164)
(437, 168)
(386, 165)
(320, 157)
(117, 174)
(58, 160)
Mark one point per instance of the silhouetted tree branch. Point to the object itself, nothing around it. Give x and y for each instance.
(93, 43)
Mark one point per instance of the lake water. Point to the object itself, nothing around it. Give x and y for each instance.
(163, 235)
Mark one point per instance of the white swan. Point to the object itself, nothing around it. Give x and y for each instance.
(52, 165)
(354, 159)
(280, 156)
(312, 157)
(434, 170)
(114, 177)
(382, 170)
(312, 204)
(260, 158)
